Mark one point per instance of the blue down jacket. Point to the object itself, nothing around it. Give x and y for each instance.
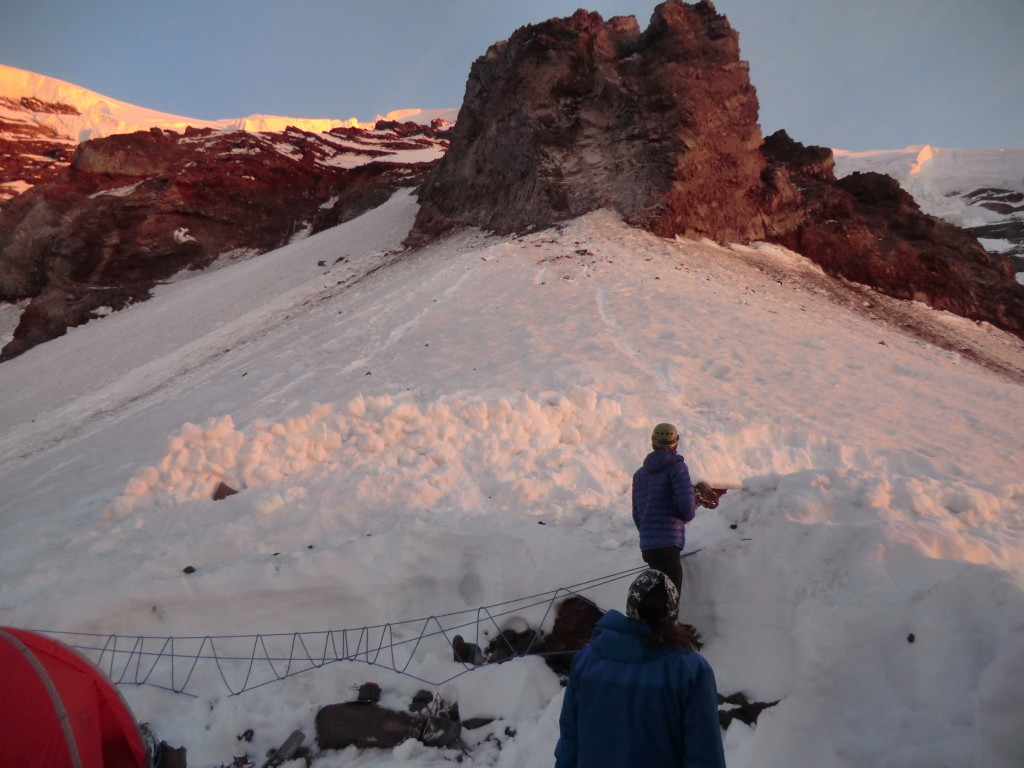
(632, 705)
(663, 500)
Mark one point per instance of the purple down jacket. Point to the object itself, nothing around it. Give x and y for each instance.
(663, 500)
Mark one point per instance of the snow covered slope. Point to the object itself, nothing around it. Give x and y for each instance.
(415, 434)
(100, 116)
(978, 189)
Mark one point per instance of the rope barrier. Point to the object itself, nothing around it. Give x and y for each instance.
(247, 662)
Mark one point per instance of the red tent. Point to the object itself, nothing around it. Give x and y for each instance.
(57, 709)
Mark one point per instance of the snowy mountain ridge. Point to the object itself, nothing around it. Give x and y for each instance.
(929, 173)
(981, 190)
(99, 116)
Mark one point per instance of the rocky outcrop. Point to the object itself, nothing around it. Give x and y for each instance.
(134, 209)
(866, 228)
(29, 153)
(981, 190)
(661, 126)
(565, 117)
(1008, 205)
(1006, 231)
(577, 114)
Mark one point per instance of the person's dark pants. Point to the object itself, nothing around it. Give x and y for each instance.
(666, 560)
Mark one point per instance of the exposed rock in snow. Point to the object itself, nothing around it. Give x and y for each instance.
(135, 209)
(981, 190)
(865, 228)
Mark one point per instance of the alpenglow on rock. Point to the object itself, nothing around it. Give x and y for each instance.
(661, 126)
(133, 210)
(576, 114)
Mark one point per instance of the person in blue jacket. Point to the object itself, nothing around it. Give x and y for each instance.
(639, 695)
(663, 503)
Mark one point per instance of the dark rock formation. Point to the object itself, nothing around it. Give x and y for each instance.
(661, 126)
(29, 154)
(367, 724)
(511, 643)
(565, 117)
(577, 114)
(222, 491)
(738, 707)
(1009, 204)
(866, 228)
(364, 725)
(466, 653)
(134, 209)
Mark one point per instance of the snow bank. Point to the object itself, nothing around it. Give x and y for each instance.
(892, 607)
(517, 450)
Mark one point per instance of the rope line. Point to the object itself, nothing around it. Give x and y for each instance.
(246, 662)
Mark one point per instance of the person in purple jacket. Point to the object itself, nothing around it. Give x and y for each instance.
(663, 503)
(639, 695)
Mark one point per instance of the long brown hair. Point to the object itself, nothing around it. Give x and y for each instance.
(684, 636)
(653, 609)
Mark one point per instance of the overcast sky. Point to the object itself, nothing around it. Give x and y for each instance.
(847, 74)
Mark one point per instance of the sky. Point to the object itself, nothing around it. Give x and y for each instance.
(870, 74)
(402, 451)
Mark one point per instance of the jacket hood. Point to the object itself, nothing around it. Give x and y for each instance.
(621, 638)
(658, 460)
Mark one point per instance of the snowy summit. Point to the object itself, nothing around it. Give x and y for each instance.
(98, 115)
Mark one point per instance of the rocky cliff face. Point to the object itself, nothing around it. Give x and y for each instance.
(1008, 229)
(981, 190)
(132, 210)
(577, 114)
(661, 126)
(866, 228)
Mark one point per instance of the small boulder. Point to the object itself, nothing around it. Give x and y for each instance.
(364, 725)
(511, 643)
(441, 729)
(466, 653)
(222, 491)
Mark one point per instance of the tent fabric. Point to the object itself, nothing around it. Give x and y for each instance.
(58, 710)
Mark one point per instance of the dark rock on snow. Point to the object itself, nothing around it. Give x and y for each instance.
(575, 618)
(222, 491)
(172, 757)
(511, 643)
(367, 724)
(364, 725)
(466, 653)
(738, 707)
